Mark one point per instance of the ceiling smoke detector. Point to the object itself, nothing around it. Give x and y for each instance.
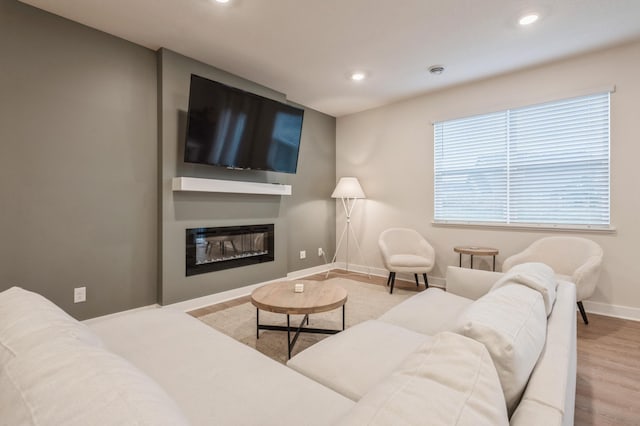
(436, 69)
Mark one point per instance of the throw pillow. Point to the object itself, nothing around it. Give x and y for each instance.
(536, 276)
(512, 324)
(450, 381)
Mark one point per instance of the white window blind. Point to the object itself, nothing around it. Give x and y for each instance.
(541, 164)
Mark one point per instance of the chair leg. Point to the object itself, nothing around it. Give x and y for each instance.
(583, 313)
(426, 282)
(389, 279)
(417, 283)
(393, 281)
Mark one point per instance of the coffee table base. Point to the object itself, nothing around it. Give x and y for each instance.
(300, 329)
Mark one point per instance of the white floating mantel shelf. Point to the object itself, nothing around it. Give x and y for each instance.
(229, 186)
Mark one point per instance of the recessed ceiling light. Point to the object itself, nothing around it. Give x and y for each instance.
(436, 69)
(222, 1)
(358, 76)
(528, 19)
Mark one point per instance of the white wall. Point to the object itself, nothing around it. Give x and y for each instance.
(391, 150)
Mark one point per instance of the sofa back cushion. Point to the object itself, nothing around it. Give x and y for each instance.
(428, 312)
(27, 319)
(72, 383)
(450, 380)
(54, 371)
(339, 364)
(536, 276)
(511, 322)
(470, 283)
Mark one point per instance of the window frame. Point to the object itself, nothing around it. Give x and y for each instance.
(547, 226)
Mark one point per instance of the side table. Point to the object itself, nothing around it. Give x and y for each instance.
(477, 251)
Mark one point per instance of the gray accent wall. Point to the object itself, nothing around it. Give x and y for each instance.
(78, 148)
(303, 221)
(91, 134)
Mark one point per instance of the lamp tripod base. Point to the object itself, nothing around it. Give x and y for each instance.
(346, 231)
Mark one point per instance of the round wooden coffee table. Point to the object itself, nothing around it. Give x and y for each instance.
(280, 297)
(477, 251)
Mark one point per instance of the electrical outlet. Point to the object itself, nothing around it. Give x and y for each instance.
(79, 294)
(320, 251)
(303, 254)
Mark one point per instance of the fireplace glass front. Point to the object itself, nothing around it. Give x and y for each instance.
(214, 249)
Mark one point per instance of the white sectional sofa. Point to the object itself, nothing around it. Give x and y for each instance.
(149, 367)
(420, 363)
(534, 354)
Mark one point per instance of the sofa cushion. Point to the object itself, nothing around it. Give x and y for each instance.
(449, 381)
(54, 371)
(534, 413)
(65, 382)
(512, 324)
(409, 261)
(27, 320)
(536, 276)
(353, 361)
(214, 379)
(470, 283)
(428, 312)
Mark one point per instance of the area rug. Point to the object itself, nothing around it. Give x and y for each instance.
(364, 301)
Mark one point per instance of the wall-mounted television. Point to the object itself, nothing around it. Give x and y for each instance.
(232, 128)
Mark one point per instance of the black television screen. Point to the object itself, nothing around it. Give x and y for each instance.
(229, 127)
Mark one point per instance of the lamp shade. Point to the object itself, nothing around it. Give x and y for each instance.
(348, 187)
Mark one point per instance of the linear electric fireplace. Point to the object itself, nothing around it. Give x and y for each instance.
(214, 249)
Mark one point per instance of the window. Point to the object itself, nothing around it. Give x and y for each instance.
(545, 164)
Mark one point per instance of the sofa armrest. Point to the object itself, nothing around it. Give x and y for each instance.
(586, 277)
(470, 283)
(551, 390)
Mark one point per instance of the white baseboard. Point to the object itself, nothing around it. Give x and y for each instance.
(225, 296)
(381, 272)
(309, 271)
(212, 299)
(617, 311)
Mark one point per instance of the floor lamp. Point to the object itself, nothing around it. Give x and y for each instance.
(349, 191)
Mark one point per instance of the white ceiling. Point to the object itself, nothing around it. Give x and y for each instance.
(306, 49)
